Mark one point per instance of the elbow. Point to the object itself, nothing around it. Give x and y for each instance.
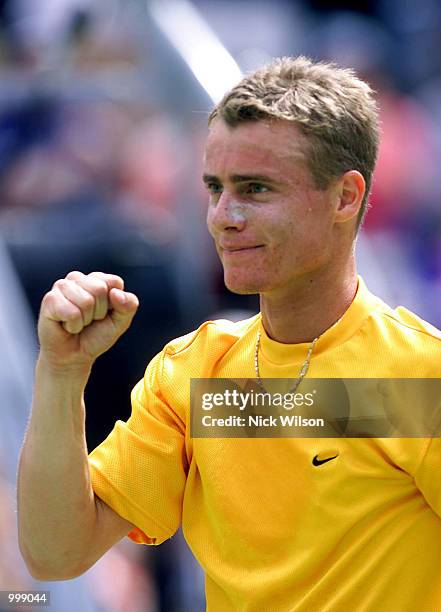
(51, 574)
(51, 569)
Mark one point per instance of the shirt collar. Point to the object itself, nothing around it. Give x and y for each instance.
(361, 307)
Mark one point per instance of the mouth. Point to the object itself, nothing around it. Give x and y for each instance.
(244, 249)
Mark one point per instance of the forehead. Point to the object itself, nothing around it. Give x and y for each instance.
(270, 147)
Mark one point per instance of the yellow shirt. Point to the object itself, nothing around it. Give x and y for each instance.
(272, 531)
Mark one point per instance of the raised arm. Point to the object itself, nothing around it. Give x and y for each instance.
(63, 527)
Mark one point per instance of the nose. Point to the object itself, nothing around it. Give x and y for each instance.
(226, 213)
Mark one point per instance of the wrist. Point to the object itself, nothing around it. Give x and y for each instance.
(57, 369)
(58, 404)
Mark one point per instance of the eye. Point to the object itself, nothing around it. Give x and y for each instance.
(213, 187)
(256, 188)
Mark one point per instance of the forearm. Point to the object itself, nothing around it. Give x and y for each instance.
(62, 529)
(56, 505)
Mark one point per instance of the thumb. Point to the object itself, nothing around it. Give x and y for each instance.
(123, 308)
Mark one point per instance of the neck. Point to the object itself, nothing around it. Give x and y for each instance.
(312, 306)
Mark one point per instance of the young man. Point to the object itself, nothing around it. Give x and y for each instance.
(303, 524)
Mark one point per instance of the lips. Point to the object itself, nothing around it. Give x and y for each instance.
(239, 248)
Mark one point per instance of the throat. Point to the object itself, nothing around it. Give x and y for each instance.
(306, 316)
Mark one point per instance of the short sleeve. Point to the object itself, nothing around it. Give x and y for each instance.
(428, 475)
(140, 469)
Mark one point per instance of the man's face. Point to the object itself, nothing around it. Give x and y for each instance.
(271, 225)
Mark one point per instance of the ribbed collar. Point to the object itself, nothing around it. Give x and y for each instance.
(362, 305)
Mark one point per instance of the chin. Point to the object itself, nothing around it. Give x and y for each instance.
(243, 291)
(244, 286)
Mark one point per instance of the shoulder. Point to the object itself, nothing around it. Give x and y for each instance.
(395, 342)
(404, 344)
(411, 325)
(397, 321)
(216, 335)
(195, 355)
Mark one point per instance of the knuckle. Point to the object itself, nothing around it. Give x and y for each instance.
(100, 288)
(88, 301)
(72, 314)
(70, 317)
(107, 278)
(74, 275)
(61, 284)
(97, 274)
(48, 300)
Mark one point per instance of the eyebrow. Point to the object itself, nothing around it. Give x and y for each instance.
(239, 178)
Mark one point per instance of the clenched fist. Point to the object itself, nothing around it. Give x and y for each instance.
(82, 317)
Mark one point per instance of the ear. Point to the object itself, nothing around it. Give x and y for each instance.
(351, 188)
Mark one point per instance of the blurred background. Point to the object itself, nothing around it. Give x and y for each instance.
(103, 110)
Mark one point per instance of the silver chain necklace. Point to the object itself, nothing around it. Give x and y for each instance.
(303, 370)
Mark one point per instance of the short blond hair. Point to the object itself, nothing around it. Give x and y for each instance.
(330, 105)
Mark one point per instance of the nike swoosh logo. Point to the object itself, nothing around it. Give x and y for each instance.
(317, 461)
